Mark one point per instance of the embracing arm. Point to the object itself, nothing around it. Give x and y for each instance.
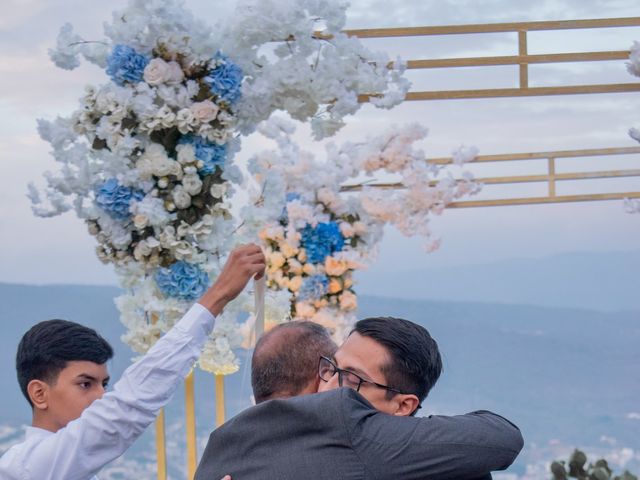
(458, 447)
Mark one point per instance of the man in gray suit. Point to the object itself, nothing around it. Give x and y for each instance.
(367, 430)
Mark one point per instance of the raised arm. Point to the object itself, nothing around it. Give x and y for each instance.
(111, 424)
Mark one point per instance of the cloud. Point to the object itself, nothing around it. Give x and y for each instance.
(31, 87)
(380, 13)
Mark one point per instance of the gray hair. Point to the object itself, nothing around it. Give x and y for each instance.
(285, 359)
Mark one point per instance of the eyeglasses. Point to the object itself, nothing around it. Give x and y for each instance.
(327, 369)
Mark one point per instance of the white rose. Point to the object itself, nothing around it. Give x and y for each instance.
(186, 154)
(176, 75)
(181, 198)
(183, 250)
(217, 190)
(192, 184)
(157, 72)
(155, 161)
(165, 116)
(153, 242)
(184, 120)
(205, 111)
(141, 250)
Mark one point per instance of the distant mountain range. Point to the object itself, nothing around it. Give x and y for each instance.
(597, 281)
(567, 376)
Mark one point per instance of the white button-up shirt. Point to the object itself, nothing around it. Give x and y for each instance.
(111, 424)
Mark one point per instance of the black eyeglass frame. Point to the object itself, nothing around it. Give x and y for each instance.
(341, 371)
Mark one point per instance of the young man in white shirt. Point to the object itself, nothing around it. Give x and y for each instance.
(77, 428)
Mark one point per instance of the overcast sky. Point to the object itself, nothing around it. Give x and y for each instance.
(58, 250)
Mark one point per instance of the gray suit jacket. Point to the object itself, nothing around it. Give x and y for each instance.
(338, 435)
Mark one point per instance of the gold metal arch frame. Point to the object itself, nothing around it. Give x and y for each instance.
(551, 177)
(523, 59)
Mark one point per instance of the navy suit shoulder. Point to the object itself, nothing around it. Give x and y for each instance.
(282, 439)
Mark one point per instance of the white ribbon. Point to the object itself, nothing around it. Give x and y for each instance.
(259, 287)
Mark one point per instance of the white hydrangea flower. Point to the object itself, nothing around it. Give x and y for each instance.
(464, 154)
(632, 205)
(633, 65)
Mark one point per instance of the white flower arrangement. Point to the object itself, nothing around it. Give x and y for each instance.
(147, 158)
(298, 60)
(316, 235)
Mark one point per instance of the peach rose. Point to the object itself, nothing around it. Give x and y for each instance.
(295, 283)
(348, 301)
(335, 286)
(304, 310)
(335, 267)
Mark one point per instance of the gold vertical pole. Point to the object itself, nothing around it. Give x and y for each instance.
(219, 400)
(552, 177)
(190, 412)
(161, 447)
(524, 67)
(161, 451)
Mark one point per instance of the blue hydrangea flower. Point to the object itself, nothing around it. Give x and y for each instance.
(115, 199)
(322, 241)
(225, 80)
(314, 287)
(126, 65)
(211, 154)
(182, 280)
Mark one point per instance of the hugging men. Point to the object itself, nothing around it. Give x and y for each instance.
(365, 430)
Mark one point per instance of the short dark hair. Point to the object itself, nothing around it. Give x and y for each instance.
(47, 347)
(415, 363)
(286, 358)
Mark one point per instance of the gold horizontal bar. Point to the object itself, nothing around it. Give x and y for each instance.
(519, 59)
(596, 175)
(559, 176)
(507, 157)
(514, 179)
(493, 27)
(543, 200)
(516, 92)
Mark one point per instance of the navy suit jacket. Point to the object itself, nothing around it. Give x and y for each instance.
(338, 435)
